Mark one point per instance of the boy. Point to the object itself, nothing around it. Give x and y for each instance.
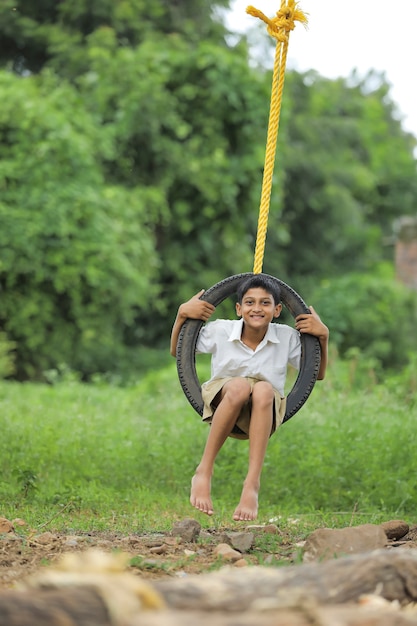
(244, 397)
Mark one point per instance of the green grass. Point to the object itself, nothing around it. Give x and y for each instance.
(99, 457)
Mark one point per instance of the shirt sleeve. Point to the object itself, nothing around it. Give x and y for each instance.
(206, 339)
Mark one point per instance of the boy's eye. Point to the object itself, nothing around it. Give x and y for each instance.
(252, 302)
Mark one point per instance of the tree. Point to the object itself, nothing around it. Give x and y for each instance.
(133, 146)
(349, 170)
(173, 125)
(55, 34)
(372, 316)
(71, 245)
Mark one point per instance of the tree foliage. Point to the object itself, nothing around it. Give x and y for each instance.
(132, 147)
(71, 245)
(348, 171)
(56, 34)
(373, 314)
(185, 121)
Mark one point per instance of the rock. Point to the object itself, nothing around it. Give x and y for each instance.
(272, 529)
(411, 534)
(19, 522)
(132, 539)
(395, 529)
(241, 541)
(227, 553)
(162, 549)
(205, 534)
(241, 563)
(6, 526)
(188, 529)
(269, 559)
(328, 543)
(172, 541)
(189, 553)
(45, 538)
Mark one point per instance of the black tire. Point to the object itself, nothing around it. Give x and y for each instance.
(187, 341)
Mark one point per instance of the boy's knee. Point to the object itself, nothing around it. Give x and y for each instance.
(263, 393)
(237, 390)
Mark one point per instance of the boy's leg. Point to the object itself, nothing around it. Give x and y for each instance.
(263, 398)
(234, 394)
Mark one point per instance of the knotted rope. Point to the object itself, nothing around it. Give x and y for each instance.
(278, 27)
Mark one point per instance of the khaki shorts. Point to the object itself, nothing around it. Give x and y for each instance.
(210, 391)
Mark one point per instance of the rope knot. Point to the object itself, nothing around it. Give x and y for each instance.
(280, 26)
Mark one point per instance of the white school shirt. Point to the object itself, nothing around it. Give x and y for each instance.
(231, 357)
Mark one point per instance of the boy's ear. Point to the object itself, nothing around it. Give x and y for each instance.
(277, 311)
(238, 309)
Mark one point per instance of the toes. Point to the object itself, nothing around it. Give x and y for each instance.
(243, 516)
(203, 507)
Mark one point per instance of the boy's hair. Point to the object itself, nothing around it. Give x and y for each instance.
(259, 281)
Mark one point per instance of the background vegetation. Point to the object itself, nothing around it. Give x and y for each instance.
(132, 142)
(92, 456)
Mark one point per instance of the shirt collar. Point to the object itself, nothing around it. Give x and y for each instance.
(271, 335)
(236, 333)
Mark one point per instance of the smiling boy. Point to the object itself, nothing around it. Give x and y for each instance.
(244, 397)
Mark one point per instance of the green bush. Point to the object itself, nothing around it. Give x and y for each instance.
(372, 314)
(78, 259)
(6, 356)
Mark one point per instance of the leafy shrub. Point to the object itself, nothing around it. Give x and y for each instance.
(371, 313)
(6, 356)
(77, 259)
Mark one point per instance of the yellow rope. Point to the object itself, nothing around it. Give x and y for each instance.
(278, 27)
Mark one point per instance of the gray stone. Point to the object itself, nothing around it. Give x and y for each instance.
(188, 529)
(241, 541)
(329, 543)
(227, 553)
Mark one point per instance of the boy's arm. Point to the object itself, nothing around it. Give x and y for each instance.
(195, 309)
(312, 324)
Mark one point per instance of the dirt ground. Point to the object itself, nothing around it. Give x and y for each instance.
(153, 556)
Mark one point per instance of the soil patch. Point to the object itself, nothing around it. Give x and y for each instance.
(153, 556)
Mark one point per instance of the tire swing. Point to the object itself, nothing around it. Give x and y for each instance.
(279, 27)
(187, 340)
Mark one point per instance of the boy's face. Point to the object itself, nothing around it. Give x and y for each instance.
(258, 308)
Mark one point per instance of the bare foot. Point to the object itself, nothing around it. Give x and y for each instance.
(247, 509)
(200, 494)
